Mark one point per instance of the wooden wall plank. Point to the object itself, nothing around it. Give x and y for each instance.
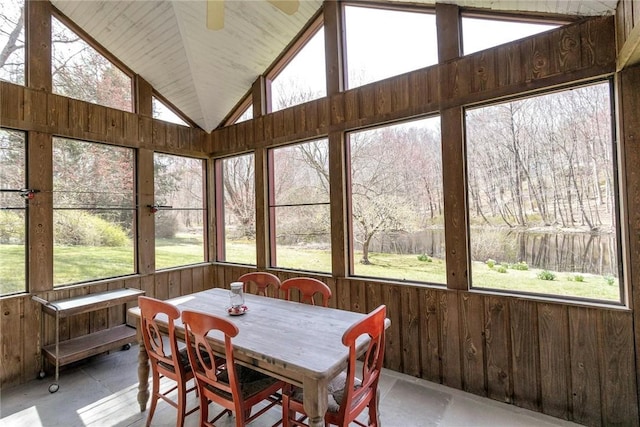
(584, 371)
(565, 49)
(31, 359)
(174, 283)
(472, 333)
(57, 111)
(525, 356)
(429, 339)
(162, 285)
(99, 318)
(145, 218)
(38, 55)
(554, 360)
(393, 354)
(410, 328)
(619, 399)
(450, 340)
(11, 354)
(11, 103)
(498, 349)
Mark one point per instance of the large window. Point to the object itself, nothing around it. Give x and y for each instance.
(12, 51)
(12, 212)
(299, 212)
(303, 78)
(482, 33)
(397, 222)
(382, 43)
(542, 195)
(161, 112)
(180, 214)
(94, 208)
(236, 212)
(81, 72)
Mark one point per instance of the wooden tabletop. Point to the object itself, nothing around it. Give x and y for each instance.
(289, 339)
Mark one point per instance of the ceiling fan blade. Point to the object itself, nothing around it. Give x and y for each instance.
(215, 14)
(287, 6)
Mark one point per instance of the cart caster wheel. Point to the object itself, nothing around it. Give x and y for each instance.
(53, 388)
(41, 375)
(126, 347)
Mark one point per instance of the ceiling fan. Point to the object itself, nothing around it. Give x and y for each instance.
(215, 11)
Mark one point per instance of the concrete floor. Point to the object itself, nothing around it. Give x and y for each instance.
(101, 391)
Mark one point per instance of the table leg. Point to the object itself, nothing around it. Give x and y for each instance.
(315, 400)
(143, 371)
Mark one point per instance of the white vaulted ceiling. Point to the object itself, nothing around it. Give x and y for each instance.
(205, 73)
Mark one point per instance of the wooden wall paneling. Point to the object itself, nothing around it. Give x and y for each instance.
(11, 103)
(145, 218)
(534, 59)
(197, 278)
(498, 349)
(208, 279)
(115, 126)
(565, 49)
(171, 132)
(199, 140)
(450, 339)
(584, 371)
(508, 60)
(162, 285)
(300, 119)
(148, 285)
(186, 281)
(333, 46)
(143, 96)
(184, 138)
(597, 41)
(40, 218)
(619, 389)
(472, 325)
(555, 366)
(357, 297)
(267, 128)
(323, 116)
(47, 335)
(400, 93)
(382, 95)
(64, 323)
(483, 69)
(97, 120)
(116, 313)
(449, 31)
(419, 89)
(134, 282)
(525, 353)
(173, 283)
(57, 111)
(343, 295)
(429, 339)
(278, 125)
(351, 106)
(11, 356)
(38, 54)
(393, 335)
(99, 318)
(258, 131)
(411, 334)
(159, 134)
(78, 118)
(311, 116)
(145, 132)
(31, 339)
(35, 108)
(289, 121)
(455, 208)
(130, 130)
(79, 325)
(367, 101)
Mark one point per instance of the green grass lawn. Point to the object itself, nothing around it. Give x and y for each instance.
(79, 263)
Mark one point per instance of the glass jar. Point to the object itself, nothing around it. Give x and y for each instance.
(236, 295)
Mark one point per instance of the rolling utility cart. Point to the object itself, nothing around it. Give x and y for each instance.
(72, 350)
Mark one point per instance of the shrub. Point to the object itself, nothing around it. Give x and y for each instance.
(501, 269)
(424, 258)
(546, 275)
(578, 278)
(79, 228)
(490, 263)
(610, 280)
(12, 227)
(522, 266)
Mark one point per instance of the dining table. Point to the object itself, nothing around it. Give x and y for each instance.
(298, 343)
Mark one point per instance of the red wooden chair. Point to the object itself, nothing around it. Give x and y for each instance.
(234, 387)
(164, 356)
(308, 288)
(348, 395)
(262, 281)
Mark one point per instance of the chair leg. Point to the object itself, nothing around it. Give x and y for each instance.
(182, 403)
(154, 396)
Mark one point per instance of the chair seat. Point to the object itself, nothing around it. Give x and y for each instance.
(335, 391)
(251, 382)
